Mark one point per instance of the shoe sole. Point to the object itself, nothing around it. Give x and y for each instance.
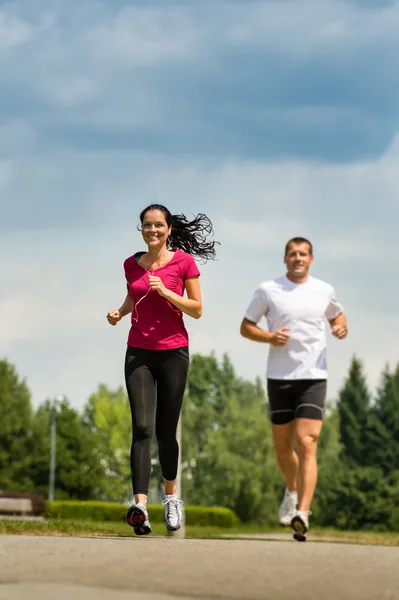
(300, 529)
(136, 518)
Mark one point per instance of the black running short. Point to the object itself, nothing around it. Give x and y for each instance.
(291, 399)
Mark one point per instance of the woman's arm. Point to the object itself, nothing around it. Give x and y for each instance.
(192, 305)
(114, 316)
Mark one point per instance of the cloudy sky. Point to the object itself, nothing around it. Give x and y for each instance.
(276, 118)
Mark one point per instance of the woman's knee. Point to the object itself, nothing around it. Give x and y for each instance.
(166, 439)
(142, 432)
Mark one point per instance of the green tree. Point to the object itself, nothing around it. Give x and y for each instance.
(227, 447)
(354, 408)
(384, 424)
(78, 468)
(358, 498)
(240, 467)
(15, 430)
(107, 414)
(199, 418)
(329, 464)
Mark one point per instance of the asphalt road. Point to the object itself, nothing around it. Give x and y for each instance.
(60, 568)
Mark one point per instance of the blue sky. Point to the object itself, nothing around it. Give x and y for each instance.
(276, 118)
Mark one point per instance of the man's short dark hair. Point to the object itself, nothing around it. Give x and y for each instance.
(298, 240)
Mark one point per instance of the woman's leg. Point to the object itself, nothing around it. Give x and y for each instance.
(141, 391)
(171, 376)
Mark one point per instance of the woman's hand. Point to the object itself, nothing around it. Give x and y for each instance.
(157, 285)
(113, 317)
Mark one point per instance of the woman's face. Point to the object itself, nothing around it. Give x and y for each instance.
(154, 229)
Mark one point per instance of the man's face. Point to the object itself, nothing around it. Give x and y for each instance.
(298, 260)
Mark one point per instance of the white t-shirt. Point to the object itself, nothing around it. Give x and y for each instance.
(303, 308)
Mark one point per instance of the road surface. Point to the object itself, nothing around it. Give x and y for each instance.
(61, 568)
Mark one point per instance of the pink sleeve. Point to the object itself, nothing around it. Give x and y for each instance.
(125, 268)
(189, 267)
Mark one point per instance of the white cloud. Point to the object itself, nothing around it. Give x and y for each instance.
(13, 32)
(57, 284)
(144, 37)
(307, 26)
(69, 90)
(69, 216)
(16, 136)
(6, 173)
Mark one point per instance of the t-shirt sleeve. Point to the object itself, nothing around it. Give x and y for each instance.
(189, 268)
(334, 307)
(258, 306)
(126, 269)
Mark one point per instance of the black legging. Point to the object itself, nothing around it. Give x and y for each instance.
(155, 382)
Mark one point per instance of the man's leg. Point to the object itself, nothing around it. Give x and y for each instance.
(287, 459)
(307, 435)
(309, 415)
(282, 415)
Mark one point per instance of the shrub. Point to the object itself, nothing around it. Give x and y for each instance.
(110, 511)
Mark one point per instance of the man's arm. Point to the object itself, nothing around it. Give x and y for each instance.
(339, 326)
(252, 332)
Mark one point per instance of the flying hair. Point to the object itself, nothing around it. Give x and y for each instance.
(189, 236)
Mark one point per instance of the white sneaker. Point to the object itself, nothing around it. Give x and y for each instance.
(287, 510)
(173, 511)
(137, 517)
(300, 525)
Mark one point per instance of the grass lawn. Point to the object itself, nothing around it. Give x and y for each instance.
(89, 528)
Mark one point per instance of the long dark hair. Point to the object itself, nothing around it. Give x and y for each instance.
(189, 236)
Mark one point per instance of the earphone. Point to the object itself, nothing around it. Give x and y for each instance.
(136, 319)
(142, 298)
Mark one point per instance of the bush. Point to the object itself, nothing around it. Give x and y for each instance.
(110, 511)
(39, 504)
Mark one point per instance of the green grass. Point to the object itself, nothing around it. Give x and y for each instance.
(82, 528)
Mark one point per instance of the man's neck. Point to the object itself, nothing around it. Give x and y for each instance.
(299, 280)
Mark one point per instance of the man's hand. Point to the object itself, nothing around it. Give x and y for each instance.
(113, 317)
(339, 331)
(280, 337)
(157, 285)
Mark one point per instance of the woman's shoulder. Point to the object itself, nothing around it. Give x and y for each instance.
(187, 265)
(184, 257)
(132, 260)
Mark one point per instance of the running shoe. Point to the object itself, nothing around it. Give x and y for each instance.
(174, 512)
(137, 517)
(287, 510)
(300, 525)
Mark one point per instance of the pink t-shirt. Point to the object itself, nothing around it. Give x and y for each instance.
(156, 323)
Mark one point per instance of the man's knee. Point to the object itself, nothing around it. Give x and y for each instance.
(307, 444)
(283, 439)
(283, 447)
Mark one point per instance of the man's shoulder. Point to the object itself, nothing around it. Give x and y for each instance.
(273, 284)
(315, 282)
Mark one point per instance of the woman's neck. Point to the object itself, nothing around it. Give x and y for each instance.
(157, 254)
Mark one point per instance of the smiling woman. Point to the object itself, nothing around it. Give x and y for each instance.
(157, 356)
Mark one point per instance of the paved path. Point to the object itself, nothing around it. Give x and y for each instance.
(61, 568)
